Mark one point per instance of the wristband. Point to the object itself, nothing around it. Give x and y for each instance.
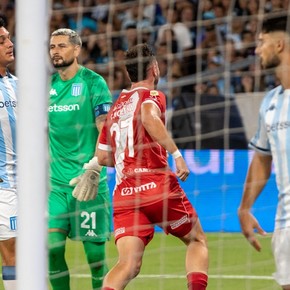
(176, 154)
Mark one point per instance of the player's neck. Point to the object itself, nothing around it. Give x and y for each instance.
(3, 71)
(145, 84)
(69, 72)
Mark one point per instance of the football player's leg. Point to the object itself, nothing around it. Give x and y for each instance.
(58, 270)
(7, 249)
(96, 257)
(8, 232)
(196, 258)
(182, 222)
(130, 250)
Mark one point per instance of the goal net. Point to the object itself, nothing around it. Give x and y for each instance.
(214, 85)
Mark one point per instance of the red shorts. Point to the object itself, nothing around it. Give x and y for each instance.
(174, 215)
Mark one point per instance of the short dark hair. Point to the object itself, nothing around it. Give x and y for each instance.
(273, 23)
(138, 59)
(2, 22)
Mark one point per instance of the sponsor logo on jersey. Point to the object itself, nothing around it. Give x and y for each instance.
(8, 104)
(179, 222)
(91, 233)
(53, 92)
(144, 187)
(64, 108)
(119, 231)
(123, 108)
(13, 223)
(278, 126)
(76, 89)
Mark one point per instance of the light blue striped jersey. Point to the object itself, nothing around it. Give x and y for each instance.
(273, 137)
(8, 107)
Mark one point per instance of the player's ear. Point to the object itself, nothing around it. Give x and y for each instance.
(281, 44)
(77, 50)
(155, 68)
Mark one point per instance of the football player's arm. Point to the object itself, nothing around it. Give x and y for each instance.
(151, 120)
(104, 156)
(257, 177)
(86, 184)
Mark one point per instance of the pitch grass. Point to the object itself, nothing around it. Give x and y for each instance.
(233, 264)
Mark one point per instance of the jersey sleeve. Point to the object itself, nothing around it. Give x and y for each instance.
(260, 142)
(104, 139)
(100, 92)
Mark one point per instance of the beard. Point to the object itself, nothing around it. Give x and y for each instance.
(61, 63)
(273, 62)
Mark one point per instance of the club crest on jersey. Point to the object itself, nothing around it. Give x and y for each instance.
(76, 90)
(154, 93)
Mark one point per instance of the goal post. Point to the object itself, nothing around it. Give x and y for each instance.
(31, 52)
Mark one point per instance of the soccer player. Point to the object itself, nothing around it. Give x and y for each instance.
(134, 139)
(272, 142)
(78, 105)
(8, 191)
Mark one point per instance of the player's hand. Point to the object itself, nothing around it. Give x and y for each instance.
(87, 184)
(182, 170)
(248, 225)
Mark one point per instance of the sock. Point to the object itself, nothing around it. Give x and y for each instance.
(196, 281)
(96, 255)
(9, 277)
(58, 270)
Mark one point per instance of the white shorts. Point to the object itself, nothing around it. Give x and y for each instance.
(8, 214)
(281, 251)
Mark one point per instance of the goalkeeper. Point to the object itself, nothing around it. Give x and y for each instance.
(79, 206)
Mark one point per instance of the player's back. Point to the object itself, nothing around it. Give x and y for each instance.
(142, 172)
(134, 151)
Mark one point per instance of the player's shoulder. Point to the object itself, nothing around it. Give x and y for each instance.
(268, 102)
(90, 75)
(13, 77)
(155, 95)
(268, 97)
(277, 90)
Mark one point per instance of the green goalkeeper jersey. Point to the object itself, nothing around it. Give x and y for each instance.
(73, 107)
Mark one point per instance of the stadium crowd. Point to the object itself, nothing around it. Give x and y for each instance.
(203, 47)
(188, 36)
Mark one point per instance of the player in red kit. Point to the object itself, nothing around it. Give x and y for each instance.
(135, 141)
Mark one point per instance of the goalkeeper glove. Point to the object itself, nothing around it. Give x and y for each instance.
(87, 184)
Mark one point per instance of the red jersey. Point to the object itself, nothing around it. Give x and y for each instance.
(142, 172)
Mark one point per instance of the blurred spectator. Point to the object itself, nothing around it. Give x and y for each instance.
(248, 43)
(207, 10)
(247, 84)
(253, 7)
(181, 31)
(100, 9)
(235, 32)
(274, 6)
(241, 8)
(188, 17)
(131, 36)
(212, 90)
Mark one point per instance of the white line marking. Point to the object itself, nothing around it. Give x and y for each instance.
(154, 276)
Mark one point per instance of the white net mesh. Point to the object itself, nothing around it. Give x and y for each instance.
(214, 85)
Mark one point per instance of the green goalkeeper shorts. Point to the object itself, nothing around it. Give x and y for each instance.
(83, 221)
